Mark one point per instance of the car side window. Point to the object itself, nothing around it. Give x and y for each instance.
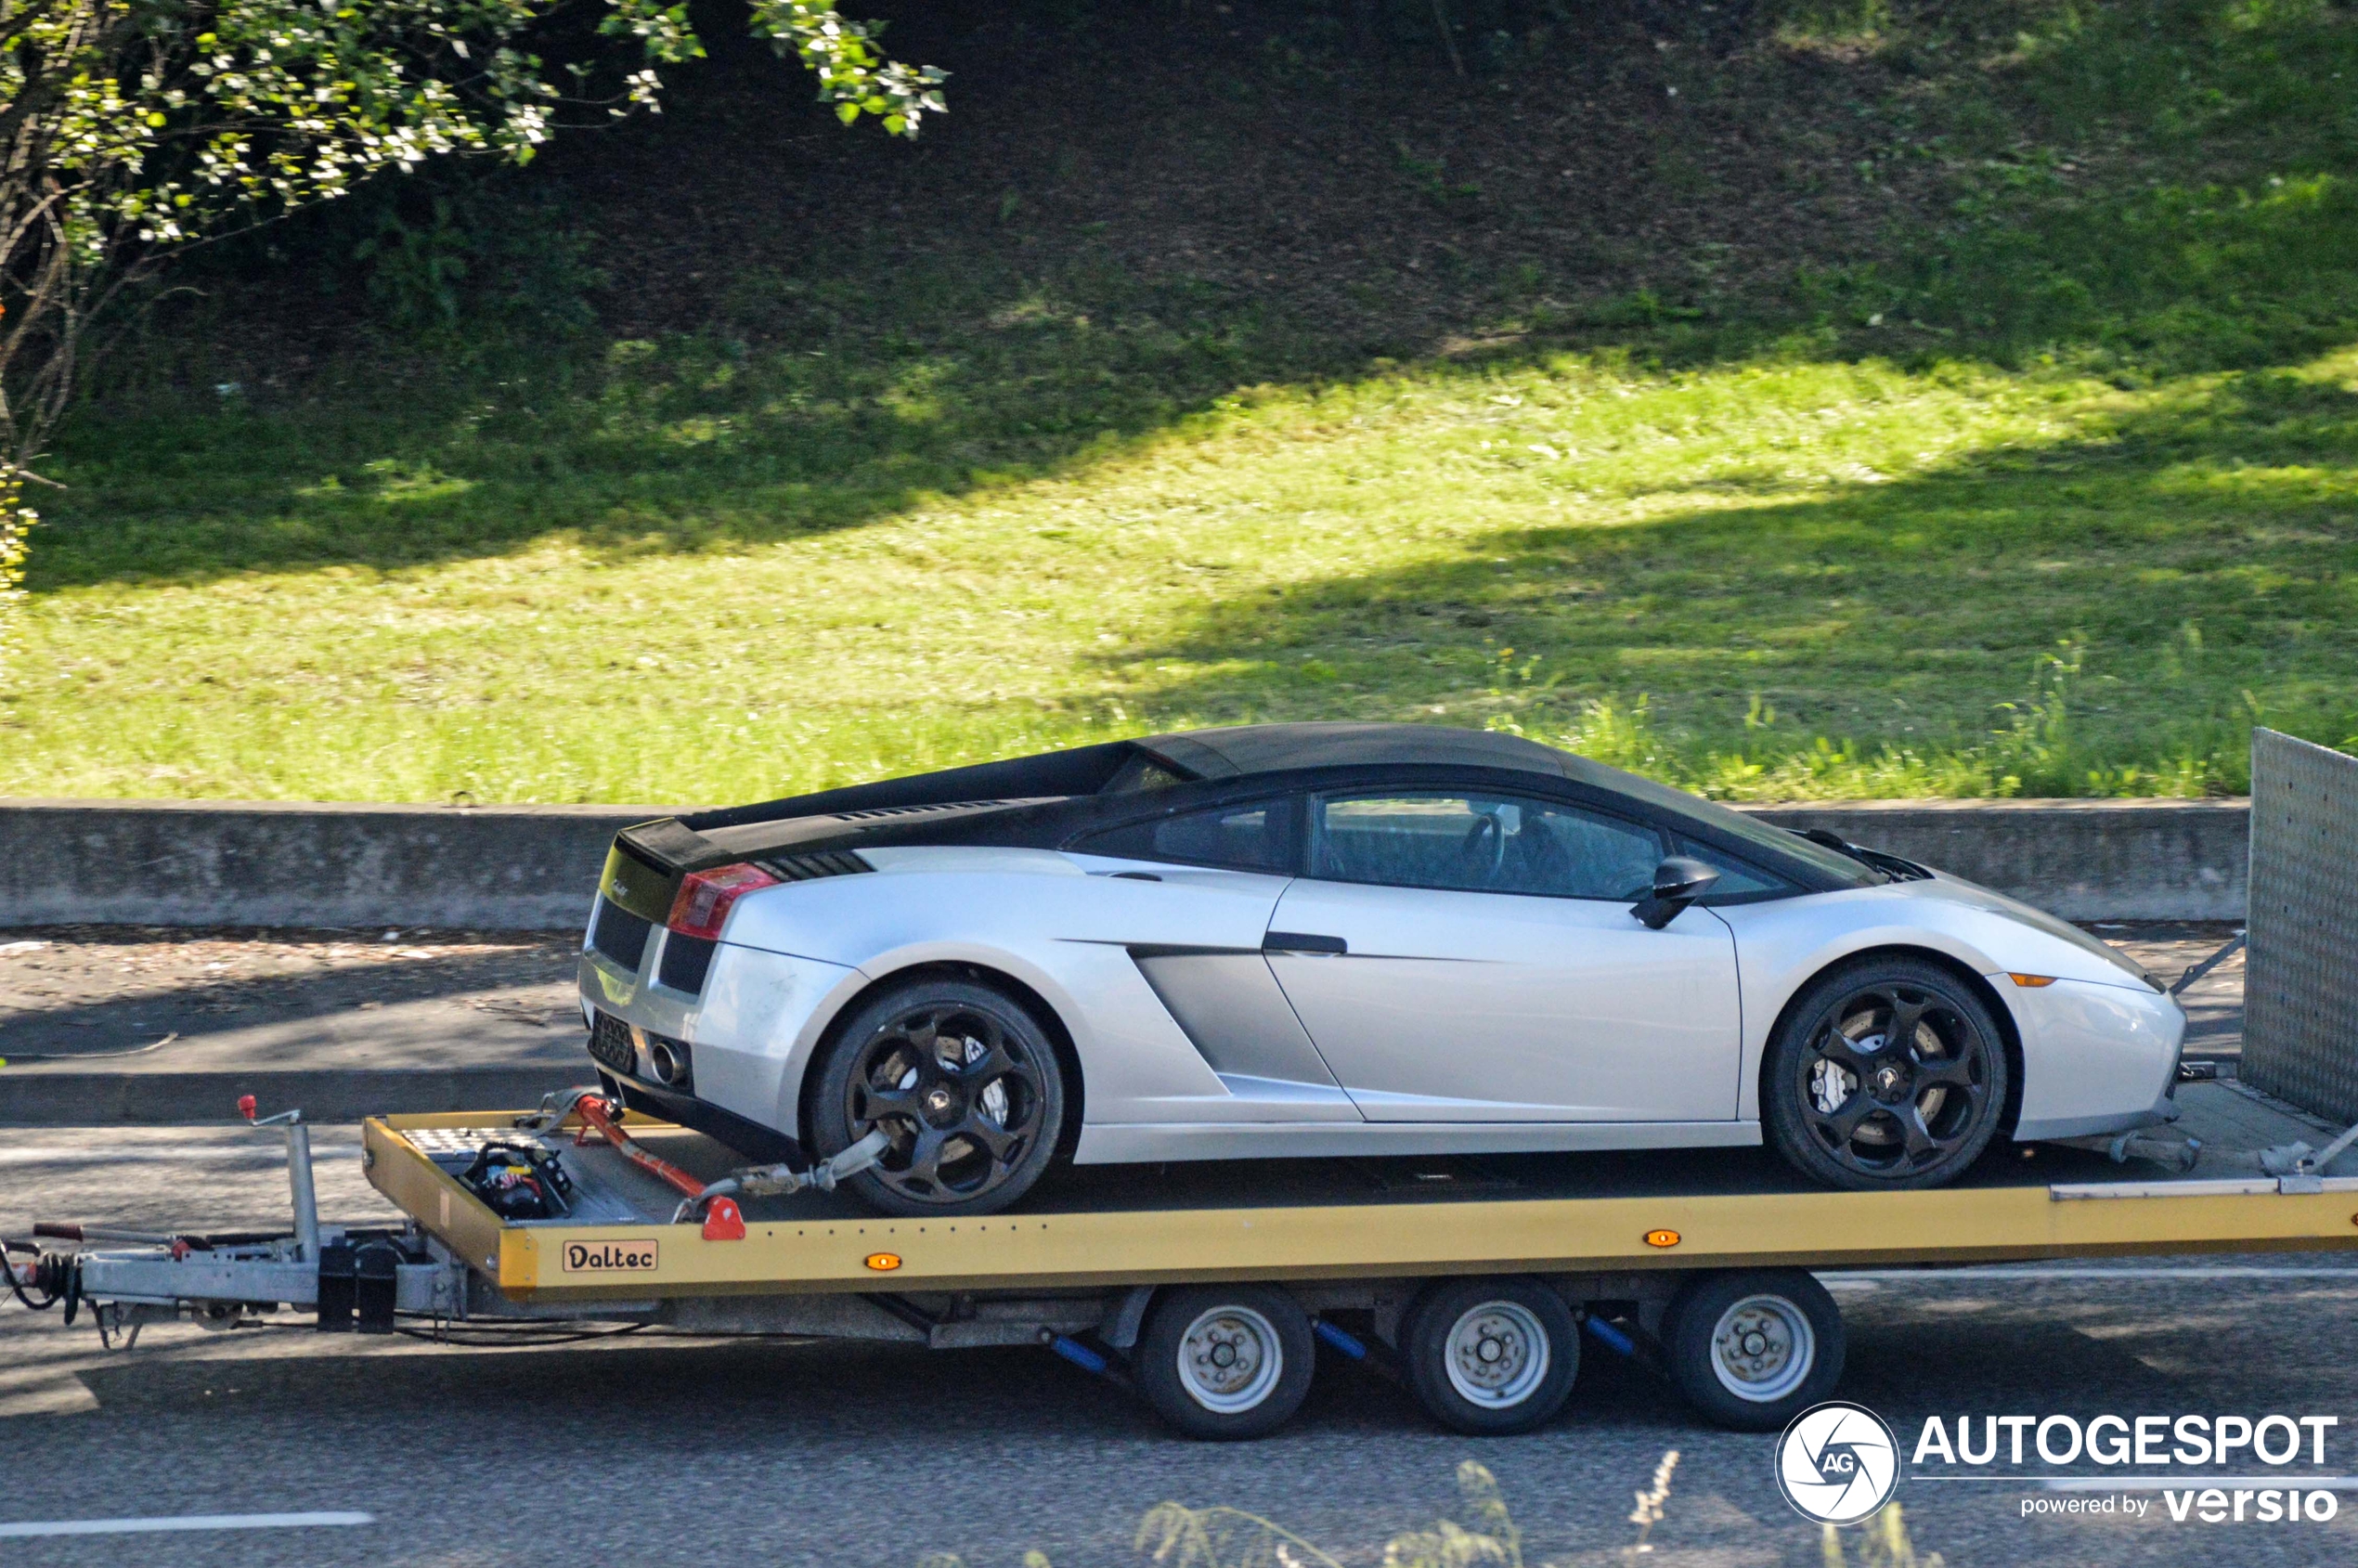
(1738, 880)
(1243, 838)
(1482, 843)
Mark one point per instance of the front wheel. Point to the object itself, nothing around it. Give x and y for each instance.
(962, 1079)
(1886, 1073)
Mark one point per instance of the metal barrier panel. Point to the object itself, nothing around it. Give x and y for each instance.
(2301, 984)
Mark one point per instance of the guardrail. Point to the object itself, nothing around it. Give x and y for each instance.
(142, 863)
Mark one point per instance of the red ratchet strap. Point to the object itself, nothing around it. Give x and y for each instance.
(596, 1115)
(724, 1220)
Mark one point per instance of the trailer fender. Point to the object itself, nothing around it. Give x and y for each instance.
(1124, 1314)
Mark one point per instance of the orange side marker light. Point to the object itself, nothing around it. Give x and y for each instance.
(2032, 982)
(884, 1262)
(1662, 1238)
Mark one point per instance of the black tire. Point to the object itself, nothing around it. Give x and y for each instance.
(1753, 1348)
(1850, 1104)
(1491, 1356)
(970, 1134)
(1225, 1361)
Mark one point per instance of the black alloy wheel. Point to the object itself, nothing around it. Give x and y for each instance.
(963, 1081)
(1886, 1073)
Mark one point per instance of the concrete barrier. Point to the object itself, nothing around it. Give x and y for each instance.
(2084, 859)
(155, 862)
(140, 862)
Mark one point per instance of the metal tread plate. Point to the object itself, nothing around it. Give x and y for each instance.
(2300, 986)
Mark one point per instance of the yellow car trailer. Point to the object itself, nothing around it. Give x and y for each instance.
(1210, 1289)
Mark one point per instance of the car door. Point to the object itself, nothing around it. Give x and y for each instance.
(1195, 940)
(1463, 956)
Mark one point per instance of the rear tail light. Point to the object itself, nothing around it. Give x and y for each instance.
(702, 906)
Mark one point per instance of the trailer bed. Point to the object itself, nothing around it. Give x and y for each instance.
(1283, 1220)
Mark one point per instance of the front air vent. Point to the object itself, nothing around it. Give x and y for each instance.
(620, 934)
(685, 961)
(817, 863)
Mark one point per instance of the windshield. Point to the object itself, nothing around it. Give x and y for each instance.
(1838, 868)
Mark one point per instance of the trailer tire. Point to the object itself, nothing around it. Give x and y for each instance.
(1225, 1361)
(1491, 1356)
(1753, 1348)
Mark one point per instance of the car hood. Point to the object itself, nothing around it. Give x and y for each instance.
(1972, 895)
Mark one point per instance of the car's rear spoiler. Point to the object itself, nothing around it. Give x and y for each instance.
(1082, 771)
(647, 862)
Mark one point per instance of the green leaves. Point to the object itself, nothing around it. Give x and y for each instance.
(120, 111)
(129, 128)
(853, 73)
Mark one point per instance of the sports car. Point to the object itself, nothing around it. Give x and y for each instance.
(1335, 939)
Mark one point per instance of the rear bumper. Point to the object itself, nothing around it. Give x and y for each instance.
(749, 1138)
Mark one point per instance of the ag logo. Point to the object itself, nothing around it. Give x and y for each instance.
(1837, 1463)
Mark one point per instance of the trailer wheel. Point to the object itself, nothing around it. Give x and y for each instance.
(1751, 1349)
(1224, 1361)
(1490, 1356)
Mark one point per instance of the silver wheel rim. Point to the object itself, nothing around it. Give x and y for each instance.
(1763, 1348)
(1498, 1354)
(1230, 1360)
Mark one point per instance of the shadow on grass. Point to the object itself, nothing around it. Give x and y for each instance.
(672, 446)
(1004, 341)
(2193, 549)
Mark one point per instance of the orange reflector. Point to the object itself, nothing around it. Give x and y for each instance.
(1662, 1238)
(884, 1262)
(2031, 982)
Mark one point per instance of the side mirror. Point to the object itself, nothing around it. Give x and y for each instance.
(1678, 882)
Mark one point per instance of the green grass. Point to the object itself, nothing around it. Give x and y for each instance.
(2055, 496)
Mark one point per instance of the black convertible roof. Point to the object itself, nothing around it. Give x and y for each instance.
(1238, 751)
(1045, 799)
(1278, 748)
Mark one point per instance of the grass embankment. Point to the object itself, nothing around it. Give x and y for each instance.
(2049, 489)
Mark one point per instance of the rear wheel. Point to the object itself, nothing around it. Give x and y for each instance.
(1490, 1356)
(1886, 1073)
(1225, 1361)
(1753, 1348)
(962, 1079)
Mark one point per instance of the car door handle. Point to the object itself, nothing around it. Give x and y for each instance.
(1301, 941)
